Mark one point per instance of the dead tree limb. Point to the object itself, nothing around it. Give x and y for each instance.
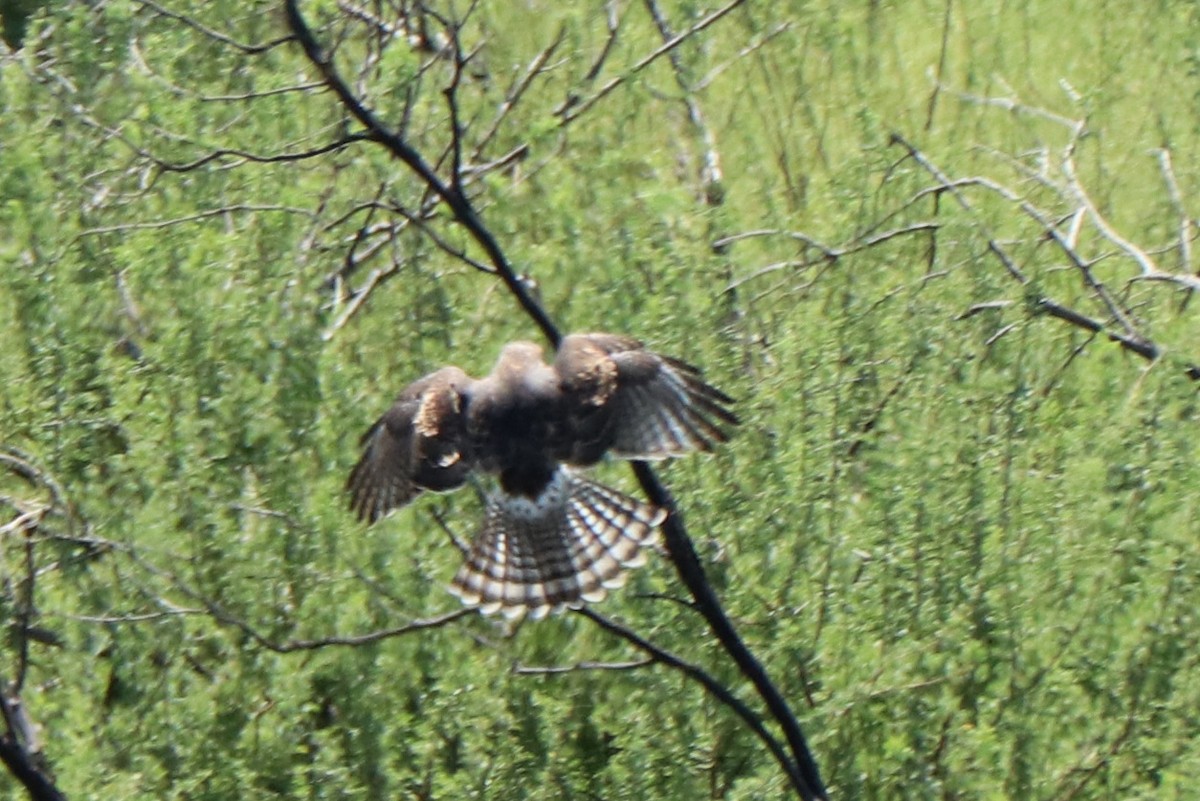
(1127, 337)
(20, 741)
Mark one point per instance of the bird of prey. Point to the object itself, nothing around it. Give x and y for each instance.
(550, 537)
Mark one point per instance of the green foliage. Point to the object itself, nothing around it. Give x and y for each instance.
(964, 544)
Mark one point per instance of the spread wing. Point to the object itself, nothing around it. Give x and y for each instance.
(419, 444)
(620, 397)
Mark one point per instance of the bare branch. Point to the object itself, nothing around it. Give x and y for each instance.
(461, 545)
(613, 21)
(375, 279)
(244, 155)
(537, 67)
(572, 111)
(459, 204)
(579, 667)
(354, 640)
(207, 214)
(20, 742)
(1106, 230)
(1015, 105)
(828, 253)
(1130, 340)
(710, 173)
(1186, 226)
(143, 617)
(227, 618)
(249, 49)
(24, 466)
(24, 765)
(691, 572)
(990, 305)
(660, 655)
(757, 43)
(940, 70)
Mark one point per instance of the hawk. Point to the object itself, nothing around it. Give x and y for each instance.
(550, 537)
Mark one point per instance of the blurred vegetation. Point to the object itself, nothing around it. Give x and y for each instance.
(960, 533)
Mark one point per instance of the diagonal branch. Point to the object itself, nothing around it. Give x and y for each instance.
(25, 770)
(691, 572)
(569, 113)
(722, 693)
(459, 204)
(1129, 339)
(711, 174)
(805, 778)
(248, 49)
(20, 744)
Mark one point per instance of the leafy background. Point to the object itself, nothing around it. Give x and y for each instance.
(962, 538)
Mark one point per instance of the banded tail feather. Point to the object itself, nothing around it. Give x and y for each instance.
(566, 547)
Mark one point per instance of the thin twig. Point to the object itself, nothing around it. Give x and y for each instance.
(570, 113)
(940, 70)
(1185, 221)
(713, 686)
(207, 214)
(459, 204)
(223, 616)
(691, 572)
(1133, 342)
(579, 667)
(710, 173)
(613, 21)
(248, 49)
(828, 253)
(512, 98)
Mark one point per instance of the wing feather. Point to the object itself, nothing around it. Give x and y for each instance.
(419, 444)
(619, 397)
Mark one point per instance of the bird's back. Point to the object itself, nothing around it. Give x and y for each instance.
(513, 418)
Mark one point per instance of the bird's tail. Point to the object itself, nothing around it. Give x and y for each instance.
(566, 547)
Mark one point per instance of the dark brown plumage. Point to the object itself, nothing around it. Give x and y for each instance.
(550, 537)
